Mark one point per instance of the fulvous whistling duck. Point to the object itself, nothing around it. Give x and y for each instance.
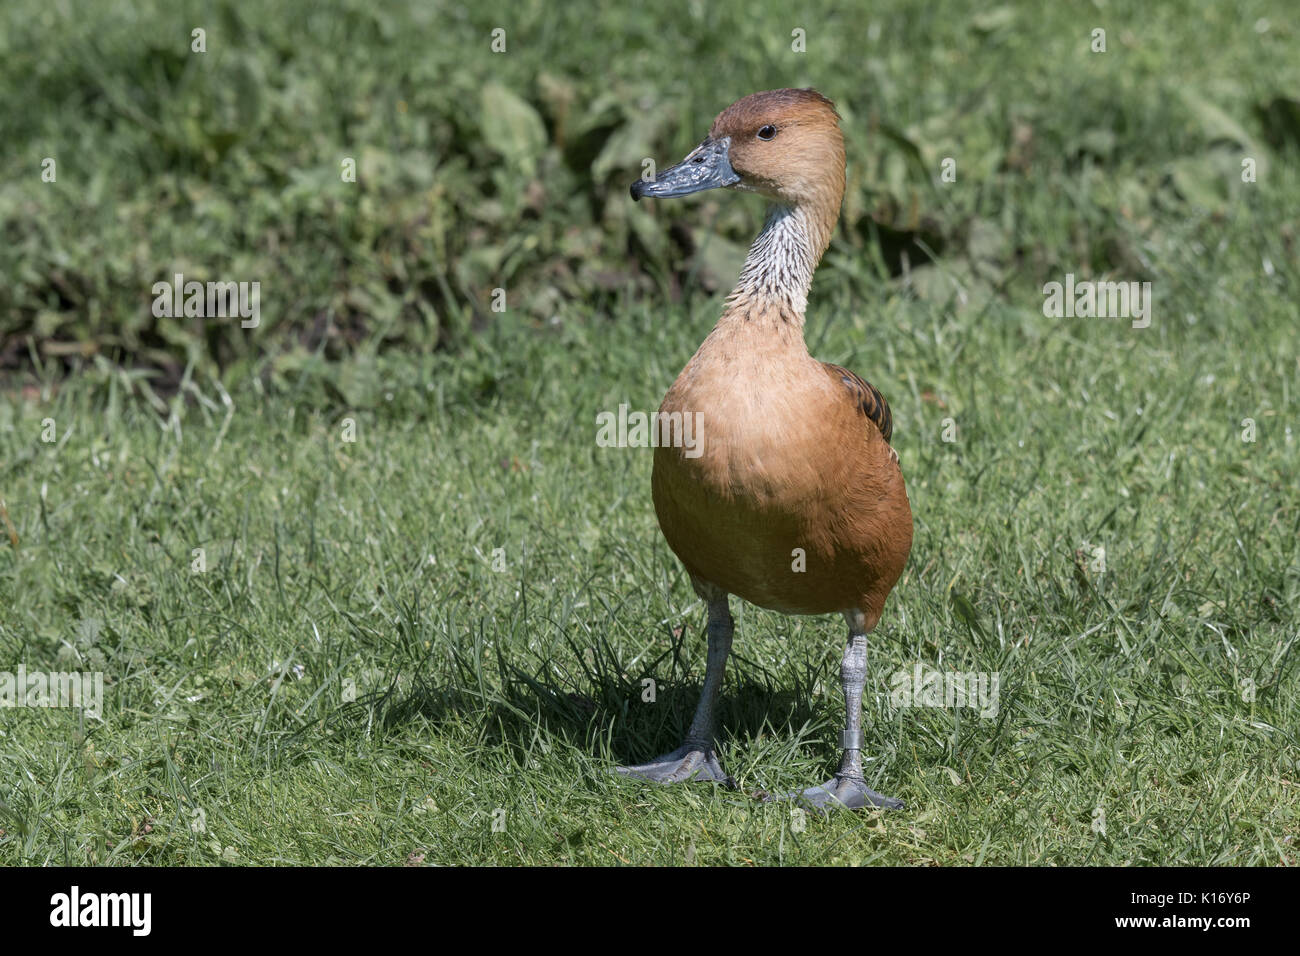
(796, 502)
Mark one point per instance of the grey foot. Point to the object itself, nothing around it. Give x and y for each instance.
(844, 792)
(687, 762)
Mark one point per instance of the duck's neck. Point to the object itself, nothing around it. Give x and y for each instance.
(773, 285)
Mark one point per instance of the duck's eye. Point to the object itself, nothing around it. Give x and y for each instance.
(767, 132)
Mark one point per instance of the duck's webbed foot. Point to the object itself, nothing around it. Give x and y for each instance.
(688, 762)
(848, 789)
(695, 759)
(844, 791)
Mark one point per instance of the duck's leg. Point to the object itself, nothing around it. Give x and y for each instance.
(695, 758)
(848, 788)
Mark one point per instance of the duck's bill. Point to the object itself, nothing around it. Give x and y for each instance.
(707, 167)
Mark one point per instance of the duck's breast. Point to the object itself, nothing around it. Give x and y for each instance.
(790, 498)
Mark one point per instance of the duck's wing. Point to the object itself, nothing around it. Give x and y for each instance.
(866, 397)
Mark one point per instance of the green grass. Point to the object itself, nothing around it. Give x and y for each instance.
(487, 696)
(516, 690)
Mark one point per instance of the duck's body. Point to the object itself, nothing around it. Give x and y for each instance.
(794, 500)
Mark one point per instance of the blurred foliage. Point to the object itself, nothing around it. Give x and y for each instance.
(479, 170)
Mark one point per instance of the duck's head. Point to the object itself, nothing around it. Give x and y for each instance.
(784, 144)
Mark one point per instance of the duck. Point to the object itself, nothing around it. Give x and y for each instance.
(793, 498)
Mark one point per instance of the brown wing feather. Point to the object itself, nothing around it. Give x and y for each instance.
(867, 397)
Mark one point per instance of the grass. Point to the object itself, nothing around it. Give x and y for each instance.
(351, 679)
(479, 690)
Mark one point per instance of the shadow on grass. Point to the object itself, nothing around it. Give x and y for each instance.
(599, 702)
